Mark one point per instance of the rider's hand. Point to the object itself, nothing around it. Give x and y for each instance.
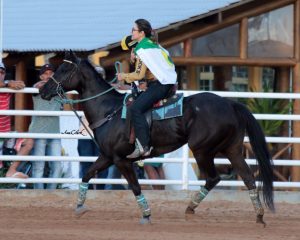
(119, 76)
(143, 86)
(16, 85)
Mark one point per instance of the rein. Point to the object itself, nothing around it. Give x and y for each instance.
(64, 100)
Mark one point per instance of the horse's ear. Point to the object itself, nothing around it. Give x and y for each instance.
(73, 56)
(67, 55)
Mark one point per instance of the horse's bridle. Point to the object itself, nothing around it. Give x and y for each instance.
(59, 89)
(61, 93)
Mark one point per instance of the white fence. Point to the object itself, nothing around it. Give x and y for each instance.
(184, 181)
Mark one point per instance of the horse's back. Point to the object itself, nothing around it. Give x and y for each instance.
(210, 120)
(210, 105)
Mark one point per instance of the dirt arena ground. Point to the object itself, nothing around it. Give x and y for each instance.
(42, 215)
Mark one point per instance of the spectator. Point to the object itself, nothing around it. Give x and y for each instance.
(5, 121)
(87, 147)
(23, 148)
(45, 124)
(114, 173)
(155, 171)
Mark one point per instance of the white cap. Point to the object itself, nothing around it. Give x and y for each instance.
(2, 65)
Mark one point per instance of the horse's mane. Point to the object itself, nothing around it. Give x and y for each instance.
(98, 76)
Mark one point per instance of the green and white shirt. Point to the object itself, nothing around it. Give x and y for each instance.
(157, 60)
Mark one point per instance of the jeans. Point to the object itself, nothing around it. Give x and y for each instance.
(87, 147)
(155, 92)
(114, 173)
(46, 147)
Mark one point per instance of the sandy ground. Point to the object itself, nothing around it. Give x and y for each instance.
(48, 216)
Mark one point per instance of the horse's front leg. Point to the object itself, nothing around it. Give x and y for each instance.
(100, 164)
(126, 168)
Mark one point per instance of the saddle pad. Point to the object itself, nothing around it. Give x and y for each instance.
(164, 112)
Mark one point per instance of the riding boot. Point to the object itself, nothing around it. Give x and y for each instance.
(140, 150)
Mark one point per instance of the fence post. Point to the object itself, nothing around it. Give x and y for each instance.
(185, 165)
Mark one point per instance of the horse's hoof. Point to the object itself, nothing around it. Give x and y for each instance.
(189, 210)
(145, 220)
(259, 219)
(79, 211)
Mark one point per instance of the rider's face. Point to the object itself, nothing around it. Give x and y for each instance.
(137, 34)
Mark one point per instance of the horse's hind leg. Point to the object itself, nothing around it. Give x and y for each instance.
(239, 164)
(100, 164)
(207, 167)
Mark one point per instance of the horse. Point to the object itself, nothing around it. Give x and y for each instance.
(209, 124)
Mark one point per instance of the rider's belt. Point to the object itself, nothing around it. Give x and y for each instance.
(151, 81)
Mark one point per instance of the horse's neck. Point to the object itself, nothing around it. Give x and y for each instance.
(99, 107)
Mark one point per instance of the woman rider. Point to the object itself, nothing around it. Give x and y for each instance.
(153, 64)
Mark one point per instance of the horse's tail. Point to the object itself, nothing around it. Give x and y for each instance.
(260, 149)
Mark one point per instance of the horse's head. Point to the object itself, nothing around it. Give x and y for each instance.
(65, 78)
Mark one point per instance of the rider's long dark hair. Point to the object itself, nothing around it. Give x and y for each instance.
(144, 25)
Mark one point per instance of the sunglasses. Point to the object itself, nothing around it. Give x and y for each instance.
(2, 72)
(135, 30)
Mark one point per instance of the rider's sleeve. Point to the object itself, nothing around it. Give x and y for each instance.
(138, 74)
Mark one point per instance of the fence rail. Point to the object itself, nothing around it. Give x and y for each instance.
(184, 160)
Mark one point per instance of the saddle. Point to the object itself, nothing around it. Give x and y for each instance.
(164, 109)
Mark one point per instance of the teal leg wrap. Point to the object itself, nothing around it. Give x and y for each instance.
(143, 205)
(83, 187)
(198, 197)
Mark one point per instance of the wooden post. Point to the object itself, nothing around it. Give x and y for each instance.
(191, 69)
(283, 79)
(222, 74)
(192, 83)
(255, 75)
(188, 47)
(244, 38)
(295, 171)
(21, 124)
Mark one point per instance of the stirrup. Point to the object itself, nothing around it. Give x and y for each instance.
(140, 150)
(147, 151)
(136, 153)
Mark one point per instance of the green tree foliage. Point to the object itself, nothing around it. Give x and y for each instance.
(269, 106)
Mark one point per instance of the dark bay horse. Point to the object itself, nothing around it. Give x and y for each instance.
(210, 124)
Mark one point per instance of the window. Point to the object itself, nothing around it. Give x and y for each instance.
(205, 78)
(271, 34)
(239, 79)
(176, 50)
(224, 42)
